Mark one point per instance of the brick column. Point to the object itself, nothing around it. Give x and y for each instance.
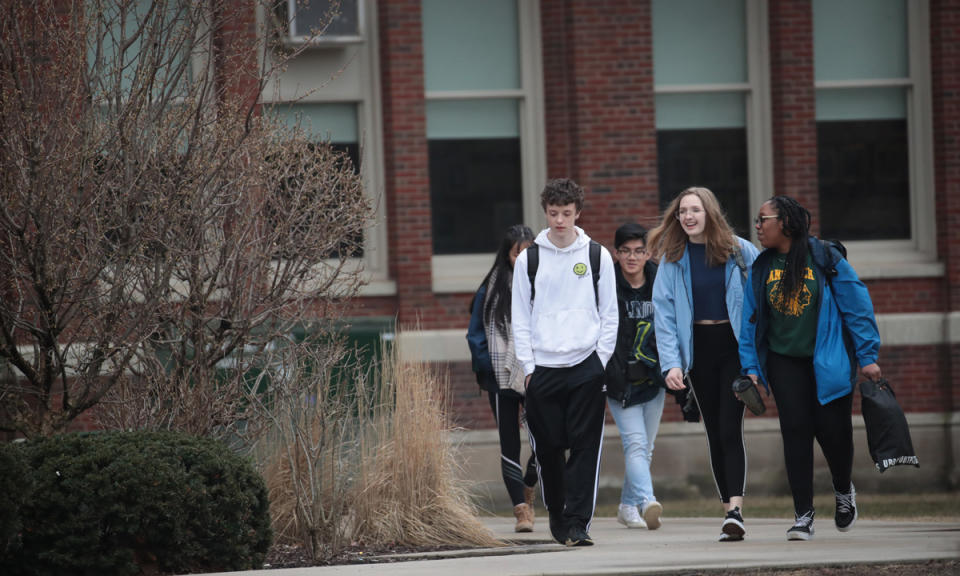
(235, 53)
(793, 103)
(407, 186)
(945, 68)
(598, 63)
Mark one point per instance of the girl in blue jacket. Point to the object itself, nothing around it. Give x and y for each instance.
(807, 322)
(698, 297)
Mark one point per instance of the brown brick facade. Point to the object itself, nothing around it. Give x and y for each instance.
(598, 105)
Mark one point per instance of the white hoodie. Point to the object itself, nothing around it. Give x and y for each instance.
(564, 325)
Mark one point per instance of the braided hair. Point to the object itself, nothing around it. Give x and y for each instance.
(796, 226)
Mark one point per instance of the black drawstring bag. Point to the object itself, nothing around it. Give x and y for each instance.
(888, 435)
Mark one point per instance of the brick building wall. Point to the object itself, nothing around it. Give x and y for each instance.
(793, 102)
(600, 130)
(945, 67)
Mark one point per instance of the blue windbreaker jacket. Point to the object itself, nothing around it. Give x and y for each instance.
(844, 303)
(673, 302)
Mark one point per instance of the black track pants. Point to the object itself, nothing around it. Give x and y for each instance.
(803, 418)
(565, 408)
(506, 405)
(716, 363)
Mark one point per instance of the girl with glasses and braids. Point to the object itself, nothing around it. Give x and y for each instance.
(698, 296)
(807, 323)
(505, 380)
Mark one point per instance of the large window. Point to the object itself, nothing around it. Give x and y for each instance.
(861, 59)
(332, 90)
(874, 132)
(707, 73)
(335, 124)
(473, 86)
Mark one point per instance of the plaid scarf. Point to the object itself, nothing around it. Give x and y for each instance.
(506, 367)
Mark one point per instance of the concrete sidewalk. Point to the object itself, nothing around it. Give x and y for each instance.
(680, 545)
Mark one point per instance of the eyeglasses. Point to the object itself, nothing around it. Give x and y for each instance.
(758, 221)
(638, 252)
(694, 211)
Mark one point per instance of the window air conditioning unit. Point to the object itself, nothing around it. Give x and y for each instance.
(322, 23)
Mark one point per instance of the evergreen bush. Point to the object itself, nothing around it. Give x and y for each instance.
(120, 502)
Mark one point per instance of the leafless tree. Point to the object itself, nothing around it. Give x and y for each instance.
(158, 232)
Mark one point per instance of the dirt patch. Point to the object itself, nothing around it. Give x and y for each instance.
(286, 556)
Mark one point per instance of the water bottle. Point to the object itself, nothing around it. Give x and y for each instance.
(744, 388)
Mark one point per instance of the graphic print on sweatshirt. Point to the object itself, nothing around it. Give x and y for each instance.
(644, 347)
(787, 305)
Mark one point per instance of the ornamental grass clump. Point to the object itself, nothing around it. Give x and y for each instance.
(364, 458)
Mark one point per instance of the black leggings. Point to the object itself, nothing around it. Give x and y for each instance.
(506, 406)
(803, 418)
(716, 364)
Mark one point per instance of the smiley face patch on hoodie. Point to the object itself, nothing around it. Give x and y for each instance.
(580, 269)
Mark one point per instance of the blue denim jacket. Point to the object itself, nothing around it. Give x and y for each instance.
(673, 302)
(847, 331)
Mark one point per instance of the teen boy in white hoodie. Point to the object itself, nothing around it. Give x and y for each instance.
(564, 337)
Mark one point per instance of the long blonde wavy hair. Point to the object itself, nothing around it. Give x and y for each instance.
(668, 240)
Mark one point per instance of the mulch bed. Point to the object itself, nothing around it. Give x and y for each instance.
(287, 556)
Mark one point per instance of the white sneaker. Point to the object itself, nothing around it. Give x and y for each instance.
(651, 512)
(629, 516)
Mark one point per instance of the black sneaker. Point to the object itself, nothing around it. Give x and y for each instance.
(846, 515)
(732, 529)
(578, 537)
(802, 528)
(557, 528)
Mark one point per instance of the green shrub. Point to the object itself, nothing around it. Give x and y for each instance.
(116, 502)
(15, 482)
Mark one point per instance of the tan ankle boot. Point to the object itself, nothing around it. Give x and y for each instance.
(529, 495)
(524, 515)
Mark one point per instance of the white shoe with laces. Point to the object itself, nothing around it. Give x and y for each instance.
(629, 516)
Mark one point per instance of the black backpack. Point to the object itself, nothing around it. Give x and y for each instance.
(533, 262)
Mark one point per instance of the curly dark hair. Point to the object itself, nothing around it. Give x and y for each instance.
(560, 192)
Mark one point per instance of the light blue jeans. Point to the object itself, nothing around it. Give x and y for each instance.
(638, 427)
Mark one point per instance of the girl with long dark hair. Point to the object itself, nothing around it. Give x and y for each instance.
(493, 300)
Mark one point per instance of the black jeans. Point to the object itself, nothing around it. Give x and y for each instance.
(803, 418)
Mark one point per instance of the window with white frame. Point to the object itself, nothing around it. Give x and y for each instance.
(334, 123)
(324, 21)
(124, 36)
(333, 92)
(867, 111)
(484, 128)
(710, 102)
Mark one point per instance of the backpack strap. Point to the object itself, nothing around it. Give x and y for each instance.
(738, 258)
(595, 270)
(533, 262)
(834, 252)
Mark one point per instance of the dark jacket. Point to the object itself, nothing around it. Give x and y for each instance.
(636, 342)
(477, 341)
(846, 327)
